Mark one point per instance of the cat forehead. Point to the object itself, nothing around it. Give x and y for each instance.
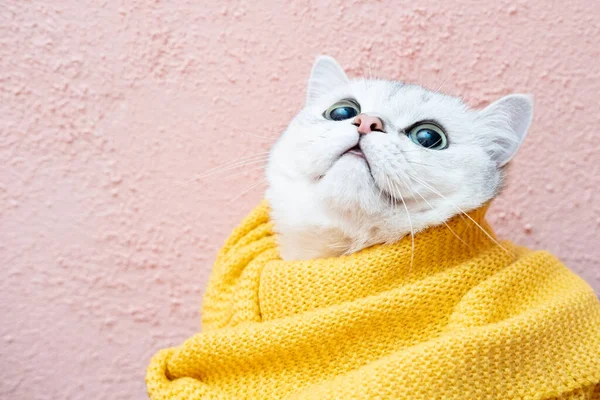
(400, 102)
(392, 96)
(399, 95)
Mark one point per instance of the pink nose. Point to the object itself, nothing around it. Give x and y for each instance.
(367, 124)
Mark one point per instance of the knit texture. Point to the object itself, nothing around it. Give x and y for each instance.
(467, 319)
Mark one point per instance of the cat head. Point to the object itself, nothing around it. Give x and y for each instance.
(368, 161)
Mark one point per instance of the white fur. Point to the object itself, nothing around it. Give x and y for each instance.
(325, 204)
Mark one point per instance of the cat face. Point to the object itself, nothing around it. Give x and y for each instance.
(369, 161)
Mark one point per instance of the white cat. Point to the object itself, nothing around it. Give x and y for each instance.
(371, 161)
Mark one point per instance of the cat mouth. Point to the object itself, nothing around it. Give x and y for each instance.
(356, 151)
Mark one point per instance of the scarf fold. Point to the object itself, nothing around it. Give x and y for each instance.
(464, 317)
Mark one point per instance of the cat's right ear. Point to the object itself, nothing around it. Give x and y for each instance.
(326, 74)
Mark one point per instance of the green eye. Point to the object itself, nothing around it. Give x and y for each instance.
(343, 109)
(429, 136)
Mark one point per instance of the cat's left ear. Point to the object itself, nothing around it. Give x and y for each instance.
(326, 74)
(508, 119)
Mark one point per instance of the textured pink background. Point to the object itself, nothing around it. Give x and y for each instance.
(109, 109)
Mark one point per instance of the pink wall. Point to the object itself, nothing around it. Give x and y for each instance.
(108, 111)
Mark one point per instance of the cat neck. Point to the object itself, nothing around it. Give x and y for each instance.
(309, 230)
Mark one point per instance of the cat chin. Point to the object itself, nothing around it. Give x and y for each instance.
(349, 185)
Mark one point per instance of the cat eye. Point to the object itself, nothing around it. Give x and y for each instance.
(343, 109)
(429, 136)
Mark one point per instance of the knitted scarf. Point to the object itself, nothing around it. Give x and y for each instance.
(466, 317)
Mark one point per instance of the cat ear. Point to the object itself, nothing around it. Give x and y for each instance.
(325, 75)
(509, 118)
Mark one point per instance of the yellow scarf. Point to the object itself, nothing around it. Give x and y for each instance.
(468, 320)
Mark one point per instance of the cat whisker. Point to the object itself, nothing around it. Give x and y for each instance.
(464, 213)
(262, 167)
(412, 231)
(444, 222)
(394, 199)
(418, 163)
(412, 192)
(237, 160)
(203, 176)
(434, 191)
(258, 136)
(381, 193)
(253, 186)
(253, 134)
(390, 191)
(442, 84)
(230, 167)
